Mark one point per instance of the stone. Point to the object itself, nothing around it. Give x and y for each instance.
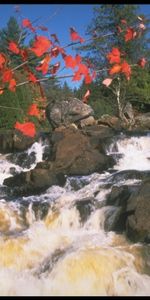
(68, 111)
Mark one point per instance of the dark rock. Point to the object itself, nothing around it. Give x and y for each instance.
(75, 155)
(85, 208)
(119, 195)
(138, 222)
(13, 140)
(23, 159)
(143, 121)
(67, 111)
(34, 182)
(111, 121)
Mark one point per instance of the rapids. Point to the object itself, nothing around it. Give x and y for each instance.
(55, 243)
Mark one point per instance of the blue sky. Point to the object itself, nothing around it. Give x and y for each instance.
(58, 18)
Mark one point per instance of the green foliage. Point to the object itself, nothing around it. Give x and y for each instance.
(14, 105)
(99, 99)
(105, 20)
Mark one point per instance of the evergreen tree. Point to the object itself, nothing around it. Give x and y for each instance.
(104, 26)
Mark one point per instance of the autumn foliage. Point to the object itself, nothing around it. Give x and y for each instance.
(48, 48)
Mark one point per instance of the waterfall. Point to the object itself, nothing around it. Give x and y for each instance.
(56, 243)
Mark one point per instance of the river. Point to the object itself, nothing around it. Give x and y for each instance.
(56, 243)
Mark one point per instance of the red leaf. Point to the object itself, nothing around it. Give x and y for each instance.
(77, 76)
(33, 110)
(107, 81)
(12, 85)
(41, 45)
(7, 75)
(27, 128)
(75, 36)
(88, 79)
(55, 51)
(142, 62)
(55, 68)
(78, 59)
(1, 91)
(114, 56)
(31, 77)
(115, 69)
(56, 40)
(28, 24)
(24, 54)
(70, 61)
(130, 34)
(126, 69)
(13, 47)
(86, 96)
(2, 60)
(44, 65)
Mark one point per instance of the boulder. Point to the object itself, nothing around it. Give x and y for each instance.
(143, 121)
(74, 154)
(138, 208)
(68, 111)
(13, 140)
(35, 181)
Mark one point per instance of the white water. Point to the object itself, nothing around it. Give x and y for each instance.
(59, 254)
(135, 153)
(5, 165)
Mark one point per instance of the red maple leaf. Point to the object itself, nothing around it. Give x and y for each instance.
(24, 54)
(77, 76)
(33, 110)
(55, 51)
(27, 128)
(44, 66)
(130, 34)
(126, 69)
(2, 60)
(41, 45)
(12, 85)
(7, 75)
(142, 61)
(70, 61)
(88, 78)
(55, 68)
(86, 96)
(13, 47)
(114, 56)
(75, 36)
(115, 69)
(28, 24)
(32, 77)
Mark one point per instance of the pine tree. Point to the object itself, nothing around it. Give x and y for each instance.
(104, 26)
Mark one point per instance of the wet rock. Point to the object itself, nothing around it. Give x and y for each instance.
(34, 182)
(75, 155)
(138, 222)
(13, 140)
(85, 207)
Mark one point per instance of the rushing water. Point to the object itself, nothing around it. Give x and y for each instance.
(55, 243)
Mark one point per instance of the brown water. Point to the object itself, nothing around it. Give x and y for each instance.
(47, 249)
